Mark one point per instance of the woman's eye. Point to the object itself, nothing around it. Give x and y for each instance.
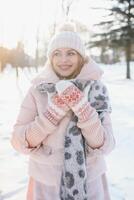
(71, 53)
(56, 54)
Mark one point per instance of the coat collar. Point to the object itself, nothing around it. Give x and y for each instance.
(90, 71)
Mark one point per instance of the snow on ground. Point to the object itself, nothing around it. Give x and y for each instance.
(13, 166)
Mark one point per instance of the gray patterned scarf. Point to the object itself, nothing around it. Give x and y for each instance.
(74, 175)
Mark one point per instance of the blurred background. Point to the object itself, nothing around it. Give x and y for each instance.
(107, 28)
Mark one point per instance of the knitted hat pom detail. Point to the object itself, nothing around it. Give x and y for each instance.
(68, 26)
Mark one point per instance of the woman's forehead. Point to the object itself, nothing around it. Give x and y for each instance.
(64, 50)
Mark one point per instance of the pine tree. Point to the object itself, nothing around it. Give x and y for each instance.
(118, 29)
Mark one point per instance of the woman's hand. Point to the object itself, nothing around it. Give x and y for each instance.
(74, 98)
(56, 109)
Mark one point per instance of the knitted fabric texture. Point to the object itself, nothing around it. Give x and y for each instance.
(66, 38)
(74, 175)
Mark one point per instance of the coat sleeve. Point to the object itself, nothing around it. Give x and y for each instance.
(30, 128)
(97, 130)
(99, 135)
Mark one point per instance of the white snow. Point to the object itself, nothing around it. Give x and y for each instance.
(120, 162)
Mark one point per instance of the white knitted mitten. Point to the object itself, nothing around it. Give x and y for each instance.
(56, 109)
(75, 99)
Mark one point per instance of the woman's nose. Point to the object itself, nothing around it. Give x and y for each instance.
(64, 58)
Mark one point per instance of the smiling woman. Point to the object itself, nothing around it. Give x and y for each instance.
(66, 63)
(65, 126)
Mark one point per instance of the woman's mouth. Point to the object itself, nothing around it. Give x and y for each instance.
(65, 67)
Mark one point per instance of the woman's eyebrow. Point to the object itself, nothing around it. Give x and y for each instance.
(56, 51)
(71, 50)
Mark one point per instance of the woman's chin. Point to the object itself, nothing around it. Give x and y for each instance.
(64, 74)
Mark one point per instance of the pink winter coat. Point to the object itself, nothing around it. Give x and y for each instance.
(33, 134)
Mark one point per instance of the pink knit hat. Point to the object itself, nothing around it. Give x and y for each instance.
(67, 37)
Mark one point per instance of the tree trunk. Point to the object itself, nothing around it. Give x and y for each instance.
(128, 74)
(128, 59)
(128, 70)
(17, 72)
(128, 44)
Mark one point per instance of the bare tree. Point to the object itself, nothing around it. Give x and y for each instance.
(66, 6)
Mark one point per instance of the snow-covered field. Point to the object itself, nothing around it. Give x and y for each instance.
(13, 166)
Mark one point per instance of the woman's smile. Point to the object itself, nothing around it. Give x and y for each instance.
(65, 67)
(66, 62)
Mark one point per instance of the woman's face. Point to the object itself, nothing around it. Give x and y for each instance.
(66, 63)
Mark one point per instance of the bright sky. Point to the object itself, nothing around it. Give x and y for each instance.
(19, 19)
